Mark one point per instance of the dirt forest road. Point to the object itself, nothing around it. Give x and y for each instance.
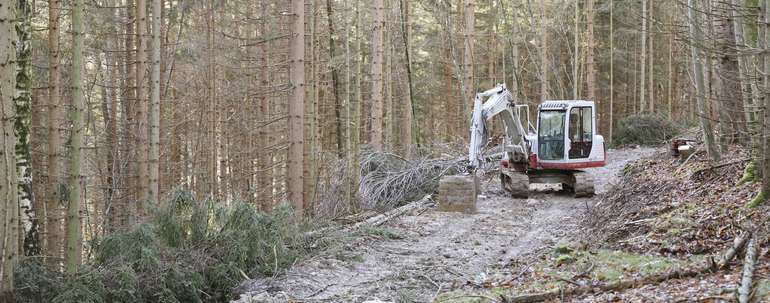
(417, 256)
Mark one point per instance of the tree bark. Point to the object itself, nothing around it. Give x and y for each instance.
(377, 78)
(590, 68)
(141, 143)
(643, 65)
(544, 66)
(154, 168)
(294, 180)
(54, 214)
(469, 39)
(697, 39)
(407, 122)
(8, 173)
(76, 140)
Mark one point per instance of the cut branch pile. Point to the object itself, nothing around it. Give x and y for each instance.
(675, 209)
(388, 180)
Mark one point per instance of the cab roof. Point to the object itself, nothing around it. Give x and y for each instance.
(564, 104)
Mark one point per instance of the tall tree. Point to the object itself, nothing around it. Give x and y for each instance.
(153, 194)
(378, 25)
(142, 108)
(23, 103)
(76, 140)
(697, 39)
(544, 65)
(54, 215)
(296, 106)
(468, 40)
(408, 112)
(643, 58)
(154, 169)
(590, 68)
(9, 213)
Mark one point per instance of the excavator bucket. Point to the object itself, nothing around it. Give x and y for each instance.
(458, 193)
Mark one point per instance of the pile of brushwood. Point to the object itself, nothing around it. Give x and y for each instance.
(190, 251)
(644, 129)
(683, 208)
(674, 208)
(389, 180)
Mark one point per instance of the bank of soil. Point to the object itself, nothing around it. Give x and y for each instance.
(421, 255)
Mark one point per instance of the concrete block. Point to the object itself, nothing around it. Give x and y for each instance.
(458, 193)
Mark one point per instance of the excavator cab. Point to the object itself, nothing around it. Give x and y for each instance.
(566, 137)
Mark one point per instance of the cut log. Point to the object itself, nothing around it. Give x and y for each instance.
(376, 220)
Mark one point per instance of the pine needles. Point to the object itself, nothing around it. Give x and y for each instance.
(191, 251)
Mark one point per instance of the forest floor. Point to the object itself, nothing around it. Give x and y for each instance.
(429, 255)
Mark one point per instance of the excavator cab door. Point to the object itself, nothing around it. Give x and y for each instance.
(580, 132)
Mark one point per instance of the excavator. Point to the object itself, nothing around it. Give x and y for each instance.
(563, 142)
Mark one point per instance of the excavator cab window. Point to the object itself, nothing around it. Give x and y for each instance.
(580, 132)
(551, 135)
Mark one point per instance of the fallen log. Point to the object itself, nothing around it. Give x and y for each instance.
(710, 266)
(376, 220)
(744, 291)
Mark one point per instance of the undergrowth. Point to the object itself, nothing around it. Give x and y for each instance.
(644, 129)
(190, 251)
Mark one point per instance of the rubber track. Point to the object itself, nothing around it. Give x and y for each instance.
(584, 185)
(516, 183)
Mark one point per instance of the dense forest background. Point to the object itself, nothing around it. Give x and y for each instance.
(123, 105)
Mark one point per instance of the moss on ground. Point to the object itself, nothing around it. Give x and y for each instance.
(553, 272)
(760, 198)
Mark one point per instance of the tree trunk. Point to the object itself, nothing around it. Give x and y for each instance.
(590, 68)
(54, 214)
(407, 122)
(22, 102)
(355, 108)
(697, 39)
(643, 65)
(76, 140)
(154, 168)
(141, 146)
(377, 79)
(8, 173)
(469, 39)
(544, 87)
(731, 95)
(296, 106)
(612, 72)
(651, 82)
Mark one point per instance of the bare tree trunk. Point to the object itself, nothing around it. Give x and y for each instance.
(407, 123)
(590, 68)
(8, 173)
(612, 71)
(576, 53)
(544, 66)
(54, 214)
(154, 168)
(296, 106)
(697, 39)
(651, 40)
(141, 146)
(469, 39)
(643, 65)
(76, 140)
(265, 159)
(377, 65)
